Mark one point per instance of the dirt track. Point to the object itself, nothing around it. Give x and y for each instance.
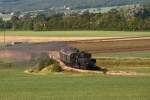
(68, 68)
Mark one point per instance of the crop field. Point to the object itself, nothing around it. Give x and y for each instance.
(111, 46)
(139, 65)
(137, 61)
(114, 54)
(76, 33)
(15, 85)
(39, 36)
(133, 54)
(127, 55)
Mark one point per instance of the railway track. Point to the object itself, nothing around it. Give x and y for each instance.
(69, 68)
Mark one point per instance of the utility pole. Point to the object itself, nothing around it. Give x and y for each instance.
(4, 35)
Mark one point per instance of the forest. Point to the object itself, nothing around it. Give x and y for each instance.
(135, 19)
(29, 5)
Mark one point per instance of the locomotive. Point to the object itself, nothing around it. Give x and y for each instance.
(77, 59)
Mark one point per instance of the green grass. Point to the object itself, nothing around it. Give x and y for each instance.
(76, 33)
(136, 54)
(138, 61)
(123, 62)
(15, 85)
(145, 70)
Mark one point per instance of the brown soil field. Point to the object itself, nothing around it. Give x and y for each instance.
(113, 45)
(16, 55)
(91, 45)
(26, 51)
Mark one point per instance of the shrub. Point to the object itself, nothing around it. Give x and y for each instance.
(43, 61)
(56, 67)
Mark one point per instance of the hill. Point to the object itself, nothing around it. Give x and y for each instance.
(24, 5)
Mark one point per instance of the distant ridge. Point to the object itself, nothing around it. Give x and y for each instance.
(26, 5)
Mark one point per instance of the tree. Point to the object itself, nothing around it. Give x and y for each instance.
(135, 24)
(27, 24)
(146, 24)
(1, 23)
(38, 26)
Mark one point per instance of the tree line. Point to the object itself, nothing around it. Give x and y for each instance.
(117, 20)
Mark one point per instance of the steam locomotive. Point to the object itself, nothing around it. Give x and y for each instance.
(77, 59)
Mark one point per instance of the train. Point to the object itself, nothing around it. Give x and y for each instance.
(77, 59)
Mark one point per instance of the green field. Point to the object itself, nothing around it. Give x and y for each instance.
(131, 65)
(15, 85)
(137, 61)
(133, 54)
(76, 33)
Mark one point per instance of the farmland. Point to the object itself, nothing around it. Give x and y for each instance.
(71, 86)
(113, 45)
(39, 36)
(133, 54)
(136, 61)
(76, 33)
(120, 53)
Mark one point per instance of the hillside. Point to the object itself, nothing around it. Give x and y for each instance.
(24, 5)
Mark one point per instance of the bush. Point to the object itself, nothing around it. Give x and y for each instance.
(43, 61)
(56, 68)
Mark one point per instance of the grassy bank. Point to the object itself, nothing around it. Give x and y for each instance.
(15, 85)
(76, 33)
